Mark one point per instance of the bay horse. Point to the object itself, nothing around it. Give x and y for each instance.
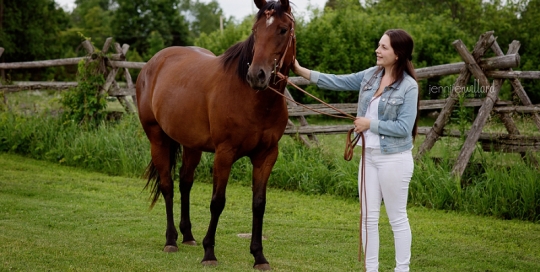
(191, 101)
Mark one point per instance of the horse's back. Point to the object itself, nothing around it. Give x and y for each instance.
(171, 91)
(171, 58)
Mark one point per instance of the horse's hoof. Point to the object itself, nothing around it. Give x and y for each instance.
(190, 243)
(210, 263)
(170, 249)
(262, 266)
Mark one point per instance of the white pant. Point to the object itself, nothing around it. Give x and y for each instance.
(387, 177)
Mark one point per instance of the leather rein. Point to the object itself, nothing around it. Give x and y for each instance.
(350, 142)
(352, 138)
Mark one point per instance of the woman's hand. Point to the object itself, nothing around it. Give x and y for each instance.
(361, 124)
(301, 71)
(296, 66)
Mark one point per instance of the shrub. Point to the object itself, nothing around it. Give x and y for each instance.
(85, 104)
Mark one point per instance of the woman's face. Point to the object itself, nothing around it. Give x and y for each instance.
(385, 53)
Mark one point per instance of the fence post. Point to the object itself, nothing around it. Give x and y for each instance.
(2, 73)
(303, 122)
(3, 78)
(106, 45)
(508, 122)
(436, 131)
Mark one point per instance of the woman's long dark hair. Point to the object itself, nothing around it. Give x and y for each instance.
(403, 45)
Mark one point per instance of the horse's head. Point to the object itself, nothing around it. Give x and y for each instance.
(274, 47)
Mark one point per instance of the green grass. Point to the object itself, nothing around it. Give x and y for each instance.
(58, 218)
(36, 102)
(31, 102)
(495, 184)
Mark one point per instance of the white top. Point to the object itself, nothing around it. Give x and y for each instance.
(372, 139)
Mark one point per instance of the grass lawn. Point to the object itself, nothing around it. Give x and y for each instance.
(56, 218)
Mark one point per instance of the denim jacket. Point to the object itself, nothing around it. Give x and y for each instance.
(397, 107)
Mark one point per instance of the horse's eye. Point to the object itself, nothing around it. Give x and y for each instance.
(283, 31)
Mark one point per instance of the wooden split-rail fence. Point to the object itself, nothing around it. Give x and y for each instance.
(499, 68)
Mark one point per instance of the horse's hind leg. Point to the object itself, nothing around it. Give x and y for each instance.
(164, 153)
(190, 160)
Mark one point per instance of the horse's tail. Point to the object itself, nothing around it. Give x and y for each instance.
(152, 174)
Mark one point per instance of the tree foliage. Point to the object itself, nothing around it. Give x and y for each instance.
(343, 37)
(510, 20)
(339, 39)
(134, 20)
(528, 33)
(355, 34)
(218, 42)
(29, 29)
(342, 4)
(93, 19)
(155, 43)
(86, 104)
(204, 17)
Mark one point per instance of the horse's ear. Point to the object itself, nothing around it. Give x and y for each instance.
(285, 4)
(260, 3)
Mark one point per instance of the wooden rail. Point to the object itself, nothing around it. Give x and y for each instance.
(40, 63)
(503, 142)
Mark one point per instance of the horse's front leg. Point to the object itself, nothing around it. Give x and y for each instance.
(190, 160)
(223, 161)
(262, 167)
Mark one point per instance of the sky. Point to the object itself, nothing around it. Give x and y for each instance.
(238, 8)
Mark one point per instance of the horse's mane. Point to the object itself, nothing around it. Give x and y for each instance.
(242, 52)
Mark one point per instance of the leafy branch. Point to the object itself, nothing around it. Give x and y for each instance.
(86, 104)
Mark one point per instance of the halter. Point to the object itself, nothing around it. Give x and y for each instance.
(277, 67)
(292, 36)
(289, 43)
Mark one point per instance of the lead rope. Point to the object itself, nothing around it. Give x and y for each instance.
(363, 197)
(350, 143)
(363, 203)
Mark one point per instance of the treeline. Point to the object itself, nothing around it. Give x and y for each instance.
(339, 39)
(342, 38)
(41, 29)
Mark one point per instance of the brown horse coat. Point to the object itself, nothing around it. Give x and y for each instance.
(191, 101)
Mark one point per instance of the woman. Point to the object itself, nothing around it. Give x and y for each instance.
(387, 115)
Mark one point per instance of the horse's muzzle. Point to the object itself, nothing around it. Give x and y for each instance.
(258, 79)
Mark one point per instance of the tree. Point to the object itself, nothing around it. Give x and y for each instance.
(93, 19)
(156, 43)
(342, 4)
(204, 17)
(218, 42)
(528, 33)
(134, 20)
(29, 29)
(467, 14)
(344, 41)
